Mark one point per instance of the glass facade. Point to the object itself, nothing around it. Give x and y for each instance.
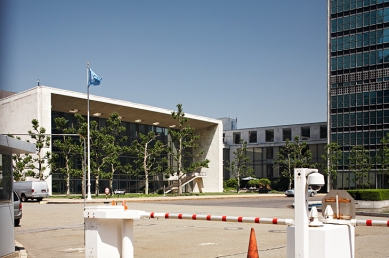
(359, 81)
(121, 179)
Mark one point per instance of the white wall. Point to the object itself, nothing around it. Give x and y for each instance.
(17, 112)
(211, 144)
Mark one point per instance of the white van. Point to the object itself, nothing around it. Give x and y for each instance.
(31, 190)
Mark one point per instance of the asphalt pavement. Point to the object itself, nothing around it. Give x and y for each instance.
(98, 201)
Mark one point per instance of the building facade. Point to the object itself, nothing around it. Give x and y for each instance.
(358, 83)
(46, 103)
(263, 144)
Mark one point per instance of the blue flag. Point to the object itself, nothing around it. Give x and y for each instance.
(93, 78)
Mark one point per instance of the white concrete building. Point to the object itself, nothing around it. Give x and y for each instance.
(263, 144)
(44, 103)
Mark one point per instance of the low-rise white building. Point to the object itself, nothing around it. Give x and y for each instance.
(44, 103)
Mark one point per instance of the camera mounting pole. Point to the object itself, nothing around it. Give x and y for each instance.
(301, 215)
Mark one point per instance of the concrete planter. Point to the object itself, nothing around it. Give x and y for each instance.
(359, 204)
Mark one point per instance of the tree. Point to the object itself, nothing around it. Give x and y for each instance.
(151, 158)
(41, 141)
(240, 167)
(383, 156)
(97, 157)
(22, 165)
(67, 147)
(359, 164)
(114, 145)
(185, 141)
(82, 129)
(292, 155)
(332, 157)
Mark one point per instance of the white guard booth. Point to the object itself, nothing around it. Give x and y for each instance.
(109, 231)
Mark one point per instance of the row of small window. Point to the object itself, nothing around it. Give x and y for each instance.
(360, 59)
(360, 118)
(305, 134)
(359, 83)
(360, 40)
(358, 138)
(360, 20)
(360, 99)
(338, 6)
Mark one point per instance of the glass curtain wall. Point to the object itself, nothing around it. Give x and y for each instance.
(122, 179)
(359, 83)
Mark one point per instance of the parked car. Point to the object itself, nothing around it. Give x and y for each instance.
(119, 191)
(311, 192)
(17, 209)
(31, 190)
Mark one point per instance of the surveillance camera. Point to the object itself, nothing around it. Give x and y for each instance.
(315, 181)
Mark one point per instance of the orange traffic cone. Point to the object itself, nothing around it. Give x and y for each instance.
(253, 248)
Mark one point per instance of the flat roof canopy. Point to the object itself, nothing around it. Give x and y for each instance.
(130, 112)
(9, 145)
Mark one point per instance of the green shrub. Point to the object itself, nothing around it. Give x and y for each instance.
(232, 182)
(370, 194)
(264, 183)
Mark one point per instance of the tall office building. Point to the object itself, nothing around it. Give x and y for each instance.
(358, 83)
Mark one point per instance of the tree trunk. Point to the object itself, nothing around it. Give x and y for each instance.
(68, 185)
(180, 169)
(83, 187)
(146, 183)
(67, 178)
(110, 186)
(97, 186)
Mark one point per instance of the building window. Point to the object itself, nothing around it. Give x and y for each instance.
(269, 135)
(224, 137)
(269, 153)
(305, 133)
(286, 134)
(5, 178)
(236, 138)
(253, 137)
(323, 131)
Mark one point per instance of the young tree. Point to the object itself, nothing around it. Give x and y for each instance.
(239, 167)
(359, 164)
(332, 157)
(67, 147)
(383, 156)
(22, 165)
(293, 155)
(41, 141)
(184, 139)
(151, 156)
(81, 127)
(98, 159)
(114, 146)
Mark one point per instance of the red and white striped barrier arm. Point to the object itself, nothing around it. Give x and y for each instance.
(371, 223)
(274, 221)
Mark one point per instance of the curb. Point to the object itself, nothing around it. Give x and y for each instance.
(19, 248)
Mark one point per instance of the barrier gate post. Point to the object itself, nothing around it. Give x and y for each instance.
(109, 231)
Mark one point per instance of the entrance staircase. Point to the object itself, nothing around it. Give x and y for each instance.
(186, 179)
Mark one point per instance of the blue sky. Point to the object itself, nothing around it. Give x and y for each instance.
(264, 62)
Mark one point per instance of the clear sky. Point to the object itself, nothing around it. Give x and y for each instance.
(264, 62)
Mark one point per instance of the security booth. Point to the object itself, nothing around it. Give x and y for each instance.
(8, 146)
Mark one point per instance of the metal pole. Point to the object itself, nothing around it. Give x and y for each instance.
(87, 83)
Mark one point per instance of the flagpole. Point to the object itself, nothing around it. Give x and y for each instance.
(87, 83)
